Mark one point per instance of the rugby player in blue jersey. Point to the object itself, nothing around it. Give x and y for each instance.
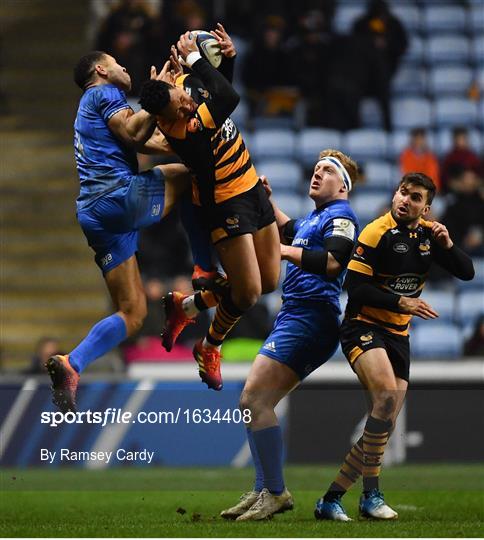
(306, 331)
(115, 201)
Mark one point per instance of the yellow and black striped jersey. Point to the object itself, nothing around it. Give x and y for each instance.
(398, 260)
(211, 146)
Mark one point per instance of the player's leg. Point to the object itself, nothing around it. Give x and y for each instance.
(126, 290)
(268, 252)
(268, 382)
(178, 184)
(303, 338)
(239, 261)
(376, 373)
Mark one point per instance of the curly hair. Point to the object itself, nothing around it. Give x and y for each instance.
(154, 96)
(84, 69)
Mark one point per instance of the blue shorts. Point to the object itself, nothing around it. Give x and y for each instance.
(304, 336)
(111, 223)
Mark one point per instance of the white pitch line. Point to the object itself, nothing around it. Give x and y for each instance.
(16, 411)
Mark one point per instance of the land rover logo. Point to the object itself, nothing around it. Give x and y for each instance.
(400, 247)
(405, 284)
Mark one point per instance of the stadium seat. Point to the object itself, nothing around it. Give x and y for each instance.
(290, 204)
(450, 80)
(453, 48)
(408, 15)
(478, 48)
(312, 140)
(272, 143)
(408, 113)
(443, 140)
(345, 17)
(239, 116)
(469, 306)
(380, 174)
(436, 340)
(443, 302)
(370, 113)
(414, 55)
(369, 206)
(444, 19)
(477, 284)
(363, 144)
(455, 112)
(284, 175)
(439, 204)
(476, 17)
(409, 80)
(273, 122)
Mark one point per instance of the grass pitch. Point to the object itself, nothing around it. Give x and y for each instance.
(432, 500)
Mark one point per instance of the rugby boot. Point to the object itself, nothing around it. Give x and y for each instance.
(64, 382)
(208, 360)
(267, 505)
(213, 281)
(373, 506)
(245, 502)
(331, 510)
(175, 319)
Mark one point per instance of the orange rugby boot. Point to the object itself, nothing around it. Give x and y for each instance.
(64, 382)
(208, 360)
(175, 319)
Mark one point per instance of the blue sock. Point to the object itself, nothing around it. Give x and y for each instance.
(198, 234)
(103, 337)
(259, 473)
(268, 442)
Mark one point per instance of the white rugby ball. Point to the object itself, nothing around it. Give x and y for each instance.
(209, 47)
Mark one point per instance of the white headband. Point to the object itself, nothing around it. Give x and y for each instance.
(342, 172)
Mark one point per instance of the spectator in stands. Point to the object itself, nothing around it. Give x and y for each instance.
(460, 156)
(388, 40)
(309, 50)
(178, 17)
(129, 33)
(386, 32)
(474, 346)
(266, 66)
(418, 157)
(44, 349)
(464, 217)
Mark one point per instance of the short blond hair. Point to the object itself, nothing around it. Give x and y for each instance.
(349, 164)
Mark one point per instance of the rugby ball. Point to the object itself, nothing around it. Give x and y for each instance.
(209, 47)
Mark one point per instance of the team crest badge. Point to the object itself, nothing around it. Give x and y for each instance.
(424, 247)
(366, 338)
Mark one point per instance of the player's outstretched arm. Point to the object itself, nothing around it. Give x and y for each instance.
(135, 129)
(224, 97)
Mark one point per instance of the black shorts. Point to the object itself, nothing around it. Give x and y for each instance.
(358, 337)
(243, 214)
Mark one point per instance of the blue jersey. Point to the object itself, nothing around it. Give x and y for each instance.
(103, 162)
(335, 218)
